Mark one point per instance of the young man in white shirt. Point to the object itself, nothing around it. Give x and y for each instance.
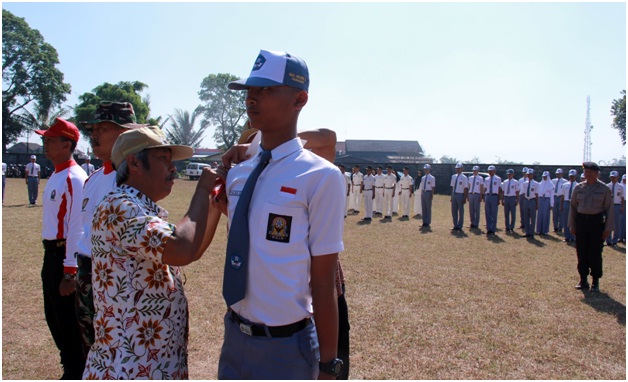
(32, 174)
(298, 197)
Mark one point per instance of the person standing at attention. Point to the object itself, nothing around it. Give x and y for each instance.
(459, 194)
(61, 205)
(427, 196)
(281, 273)
(591, 222)
(32, 173)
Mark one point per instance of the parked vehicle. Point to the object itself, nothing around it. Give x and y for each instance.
(194, 170)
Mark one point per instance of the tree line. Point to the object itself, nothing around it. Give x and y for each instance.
(33, 93)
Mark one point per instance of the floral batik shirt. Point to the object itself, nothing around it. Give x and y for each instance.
(141, 320)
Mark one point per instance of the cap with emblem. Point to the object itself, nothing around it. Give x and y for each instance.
(573, 173)
(61, 128)
(530, 171)
(623, 177)
(559, 171)
(614, 173)
(149, 137)
(510, 171)
(476, 168)
(491, 168)
(545, 173)
(591, 166)
(582, 176)
(120, 113)
(273, 68)
(33, 157)
(459, 165)
(524, 170)
(427, 167)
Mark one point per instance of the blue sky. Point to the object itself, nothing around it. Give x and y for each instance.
(484, 80)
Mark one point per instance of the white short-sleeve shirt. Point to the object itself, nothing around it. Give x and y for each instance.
(296, 212)
(459, 183)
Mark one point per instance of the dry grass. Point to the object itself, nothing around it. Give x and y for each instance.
(423, 305)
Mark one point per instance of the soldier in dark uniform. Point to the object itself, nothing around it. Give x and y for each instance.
(591, 221)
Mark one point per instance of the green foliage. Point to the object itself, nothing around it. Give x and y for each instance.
(29, 74)
(618, 111)
(447, 159)
(124, 91)
(181, 130)
(223, 108)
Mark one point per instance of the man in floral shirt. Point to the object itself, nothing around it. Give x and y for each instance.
(141, 320)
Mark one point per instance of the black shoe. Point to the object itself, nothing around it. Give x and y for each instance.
(595, 288)
(582, 285)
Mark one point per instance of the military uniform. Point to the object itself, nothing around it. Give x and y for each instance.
(590, 218)
(368, 190)
(356, 190)
(492, 192)
(390, 180)
(379, 192)
(510, 190)
(405, 185)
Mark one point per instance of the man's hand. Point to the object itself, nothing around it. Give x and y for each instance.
(67, 287)
(236, 154)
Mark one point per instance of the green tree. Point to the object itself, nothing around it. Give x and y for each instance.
(181, 130)
(124, 91)
(447, 159)
(223, 108)
(29, 74)
(618, 111)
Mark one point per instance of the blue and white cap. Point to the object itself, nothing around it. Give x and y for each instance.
(573, 172)
(582, 176)
(273, 68)
(459, 165)
(476, 168)
(530, 171)
(524, 170)
(427, 167)
(545, 173)
(510, 171)
(623, 177)
(491, 168)
(614, 173)
(559, 170)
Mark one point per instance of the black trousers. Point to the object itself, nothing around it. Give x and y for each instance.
(589, 229)
(60, 311)
(343, 335)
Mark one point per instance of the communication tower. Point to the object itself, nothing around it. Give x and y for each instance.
(587, 133)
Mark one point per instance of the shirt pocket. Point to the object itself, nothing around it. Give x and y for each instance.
(282, 227)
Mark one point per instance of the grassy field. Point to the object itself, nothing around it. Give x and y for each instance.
(423, 304)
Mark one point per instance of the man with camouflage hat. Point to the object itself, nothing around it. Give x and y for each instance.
(110, 120)
(591, 222)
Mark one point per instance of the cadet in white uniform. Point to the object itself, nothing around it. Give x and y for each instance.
(356, 189)
(558, 184)
(546, 203)
(406, 184)
(88, 167)
(476, 189)
(396, 199)
(619, 199)
(368, 192)
(428, 183)
(510, 190)
(390, 181)
(379, 191)
(33, 175)
(348, 183)
(459, 193)
(417, 194)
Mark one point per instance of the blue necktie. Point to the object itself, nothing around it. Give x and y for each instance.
(236, 261)
(490, 187)
(456, 184)
(529, 184)
(557, 183)
(508, 187)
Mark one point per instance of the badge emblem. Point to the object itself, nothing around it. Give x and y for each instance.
(278, 228)
(85, 201)
(53, 194)
(236, 262)
(259, 62)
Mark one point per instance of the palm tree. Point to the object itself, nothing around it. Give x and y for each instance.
(42, 119)
(181, 130)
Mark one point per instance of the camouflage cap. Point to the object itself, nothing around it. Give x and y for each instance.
(120, 113)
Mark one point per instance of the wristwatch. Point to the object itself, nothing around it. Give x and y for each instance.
(333, 367)
(69, 276)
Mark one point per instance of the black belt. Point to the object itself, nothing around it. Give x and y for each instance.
(260, 330)
(379, 187)
(368, 189)
(390, 188)
(405, 188)
(544, 197)
(51, 245)
(510, 196)
(589, 216)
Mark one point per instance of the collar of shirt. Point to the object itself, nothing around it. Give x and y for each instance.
(108, 167)
(62, 166)
(152, 206)
(285, 149)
